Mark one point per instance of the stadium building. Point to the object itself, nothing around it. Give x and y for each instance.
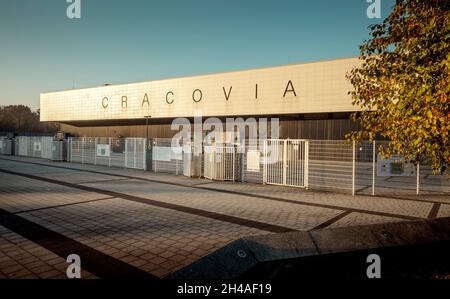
(130, 126)
(310, 100)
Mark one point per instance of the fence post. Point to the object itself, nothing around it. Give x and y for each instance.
(284, 161)
(144, 157)
(83, 141)
(265, 162)
(353, 168)
(71, 149)
(135, 152)
(126, 152)
(418, 179)
(373, 167)
(95, 150)
(242, 159)
(110, 152)
(233, 157)
(155, 144)
(306, 164)
(213, 168)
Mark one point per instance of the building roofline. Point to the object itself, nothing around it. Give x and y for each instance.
(205, 74)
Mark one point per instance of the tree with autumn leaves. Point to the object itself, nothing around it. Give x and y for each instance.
(402, 85)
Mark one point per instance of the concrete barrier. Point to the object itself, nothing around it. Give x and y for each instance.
(234, 259)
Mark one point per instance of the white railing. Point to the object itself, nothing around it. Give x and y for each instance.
(286, 162)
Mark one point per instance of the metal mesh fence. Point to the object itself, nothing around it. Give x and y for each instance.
(167, 158)
(358, 168)
(330, 165)
(392, 176)
(253, 162)
(108, 151)
(364, 167)
(34, 146)
(135, 153)
(286, 162)
(222, 162)
(333, 165)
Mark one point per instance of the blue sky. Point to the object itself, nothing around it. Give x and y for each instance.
(137, 40)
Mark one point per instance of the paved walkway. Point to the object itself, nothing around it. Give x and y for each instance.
(150, 224)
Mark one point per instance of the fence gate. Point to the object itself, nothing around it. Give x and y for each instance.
(221, 162)
(135, 153)
(286, 162)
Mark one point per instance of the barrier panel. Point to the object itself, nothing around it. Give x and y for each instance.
(167, 158)
(376, 175)
(332, 165)
(108, 151)
(59, 149)
(135, 153)
(221, 162)
(286, 162)
(253, 161)
(34, 146)
(6, 146)
(359, 168)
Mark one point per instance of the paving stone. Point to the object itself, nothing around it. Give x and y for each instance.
(12, 269)
(158, 260)
(51, 274)
(35, 262)
(160, 240)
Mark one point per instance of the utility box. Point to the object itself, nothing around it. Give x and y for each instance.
(222, 162)
(59, 150)
(149, 155)
(6, 146)
(192, 161)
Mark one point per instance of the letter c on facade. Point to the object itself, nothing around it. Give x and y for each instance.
(169, 101)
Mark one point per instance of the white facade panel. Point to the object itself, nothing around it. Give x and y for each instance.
(319, 87)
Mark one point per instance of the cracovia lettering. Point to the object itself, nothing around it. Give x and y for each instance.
(124, 102)
(227, 96)
(105, 102)
(197, 96)
(289, 88)
(189, 289)
(145, 100)
(169, 100)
